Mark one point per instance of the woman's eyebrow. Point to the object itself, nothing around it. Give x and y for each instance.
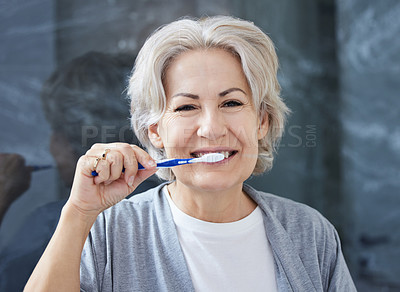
(225, 92)
(222, 94)
(193, 96)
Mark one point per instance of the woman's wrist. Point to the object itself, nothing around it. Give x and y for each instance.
(73, 213)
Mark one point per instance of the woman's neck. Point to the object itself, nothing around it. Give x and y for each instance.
(220, 207)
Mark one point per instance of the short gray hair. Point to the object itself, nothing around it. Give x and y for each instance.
(242, 38)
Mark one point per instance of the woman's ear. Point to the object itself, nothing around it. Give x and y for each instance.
(263, 127)
(154, 137)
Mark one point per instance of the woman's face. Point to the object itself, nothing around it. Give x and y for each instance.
(209, 109)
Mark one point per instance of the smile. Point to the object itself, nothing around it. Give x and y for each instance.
(226, 154)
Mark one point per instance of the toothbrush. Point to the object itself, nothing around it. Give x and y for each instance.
(165, 163)
(209, 158)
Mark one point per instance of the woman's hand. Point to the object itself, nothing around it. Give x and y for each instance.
(91, 195)
(58, 268)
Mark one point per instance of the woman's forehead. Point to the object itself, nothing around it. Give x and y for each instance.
(197, 71)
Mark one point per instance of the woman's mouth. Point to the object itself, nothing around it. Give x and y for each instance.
(227, 154)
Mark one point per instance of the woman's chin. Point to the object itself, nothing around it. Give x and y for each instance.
(211, 183)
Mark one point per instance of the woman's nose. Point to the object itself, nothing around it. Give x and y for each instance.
(211, 125)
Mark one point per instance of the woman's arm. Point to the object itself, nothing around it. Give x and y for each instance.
(340, 278)
(58, 268)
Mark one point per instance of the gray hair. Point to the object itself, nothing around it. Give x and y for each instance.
(242, 38)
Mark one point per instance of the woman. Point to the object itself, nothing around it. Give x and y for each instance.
(198, 87)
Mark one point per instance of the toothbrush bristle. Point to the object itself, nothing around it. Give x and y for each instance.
(212, 157)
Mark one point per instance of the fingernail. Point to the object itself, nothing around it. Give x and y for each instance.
(130, 181)
(151, 163)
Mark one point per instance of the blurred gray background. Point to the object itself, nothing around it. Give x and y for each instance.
(340, 69)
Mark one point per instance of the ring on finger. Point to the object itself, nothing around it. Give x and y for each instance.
(96, 162)
(104, 156)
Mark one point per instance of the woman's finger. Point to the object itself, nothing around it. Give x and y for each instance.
(132, 156)
(143, 157)
(125, 157)
(147, 161)
(110, 154)
(116, 162)
(102, 169)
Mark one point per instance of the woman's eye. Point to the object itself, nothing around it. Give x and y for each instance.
(186, 107)
(232, 103)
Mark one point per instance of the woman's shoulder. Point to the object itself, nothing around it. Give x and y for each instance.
(292, 216)
(306, 243)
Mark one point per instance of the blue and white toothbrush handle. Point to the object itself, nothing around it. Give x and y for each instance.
(169, 163)
(160, 164)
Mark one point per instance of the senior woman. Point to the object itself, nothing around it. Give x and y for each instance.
(198, 86)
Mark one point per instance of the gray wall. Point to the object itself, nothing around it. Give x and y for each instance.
(26, 60)
(369, 59)
(340, 62)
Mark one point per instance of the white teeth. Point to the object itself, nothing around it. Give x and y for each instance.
(225, 153)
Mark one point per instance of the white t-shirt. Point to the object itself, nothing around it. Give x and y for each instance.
(233, 256)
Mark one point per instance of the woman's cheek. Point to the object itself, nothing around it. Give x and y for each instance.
(244, 128)
(177, 131)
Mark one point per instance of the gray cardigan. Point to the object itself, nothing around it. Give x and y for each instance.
(134, 246)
